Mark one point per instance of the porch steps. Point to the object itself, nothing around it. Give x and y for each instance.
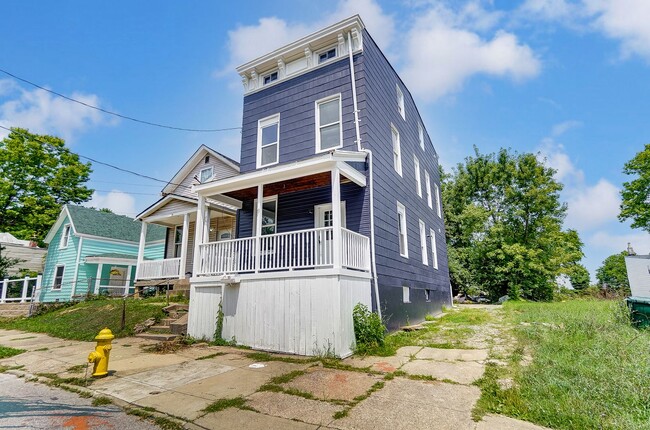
(170, 328)
(14, 310)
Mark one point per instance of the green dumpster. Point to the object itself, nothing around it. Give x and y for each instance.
(639, 310)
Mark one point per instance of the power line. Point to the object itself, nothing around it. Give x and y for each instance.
(127, 192)
(97, 161)
(123, 183)
(200, 130)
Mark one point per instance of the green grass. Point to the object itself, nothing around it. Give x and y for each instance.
(207, 357)
(222, 404)
(6, 352)
(84, 320)
(590, 368)
(101, 401)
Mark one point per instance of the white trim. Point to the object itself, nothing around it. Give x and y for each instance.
(402, 230)
(266, 200)
(263, 123)
(434, 248)
(268, 74)
(283, 172)
(191, 163)
(211, 169)
(423, 243)
(54, 278)
(76, 268)
(436, 190)
(181, 242)
(421, 135)
(400, 102)
(406, 294)
(317, 104)
(427, 183)
(397, 149)
(107, 239)
(199, 281)
(112, 260)
(65, 235)
(319, 209)
(418, 176)
(62, 216)
(162, 202)
(325, 50)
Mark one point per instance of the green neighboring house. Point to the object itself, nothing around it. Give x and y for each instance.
(94, 251)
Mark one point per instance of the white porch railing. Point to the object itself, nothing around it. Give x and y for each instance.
(20, 290)
(156, 269)
(302, 249)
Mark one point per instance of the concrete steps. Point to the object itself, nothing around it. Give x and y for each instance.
(170, 328)
(160, 337)
(14, 310)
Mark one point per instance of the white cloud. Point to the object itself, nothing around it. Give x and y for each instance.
(442, 52)
(115, 200)
(618, 242)
(247, 42)
(42, 112)
(624, 20)
(551, 10)
(554, 155)
(563, 127)
(593, 206)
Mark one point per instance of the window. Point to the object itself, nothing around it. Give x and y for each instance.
(401, 225)
(421, 135)
(58, 277)
(423, 244)
(427, 295)
(427, 183)
(406, 294)
(65, 236)
(328, 124)
(397, 151)
(268, 140)
(400, 103)
(178, 240)
(205, 175)
(267, 79)
(437, 195)
(269, 215)
(418, 183)
(326, 55)
(434, 248)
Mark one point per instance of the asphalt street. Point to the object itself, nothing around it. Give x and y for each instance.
(29, 405)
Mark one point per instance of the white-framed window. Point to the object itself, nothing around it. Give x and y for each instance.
(436, 190)
(178, 240)
(269, 77)
(206, 174)
(427, 295)
(326, 54)
(58, 277)
(418, 181)
(421, 135)
(397, 150)
(400, 103)
(268, 140)
(434, 248)
(427, 184)
(423, 244)
(401, 228)
(329, 133)
(65, 236)
(406, 294)
(269, 215)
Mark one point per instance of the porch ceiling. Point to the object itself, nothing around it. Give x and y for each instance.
(284, 187)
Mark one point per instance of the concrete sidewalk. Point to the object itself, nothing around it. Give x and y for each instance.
(284, 393)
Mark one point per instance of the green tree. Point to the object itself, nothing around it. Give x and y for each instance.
(6, 263)
(579, 276)
(38, 174)
(503, 218)
(613, 273)
(635, 195)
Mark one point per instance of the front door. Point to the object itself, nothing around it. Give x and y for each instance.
(323, 218)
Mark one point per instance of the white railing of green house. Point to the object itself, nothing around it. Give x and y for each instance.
(301, 249)
(159, 269)
(23, 290)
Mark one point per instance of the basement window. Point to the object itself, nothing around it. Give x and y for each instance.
(406, 294)
(427, 295)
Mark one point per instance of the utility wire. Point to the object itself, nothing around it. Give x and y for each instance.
(96, 161)
(200, 130)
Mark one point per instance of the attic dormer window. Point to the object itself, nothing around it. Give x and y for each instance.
(207, 159)
(267, 79)
(326, 55)
(206, 175)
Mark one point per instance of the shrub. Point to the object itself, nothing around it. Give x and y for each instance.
(369, 331)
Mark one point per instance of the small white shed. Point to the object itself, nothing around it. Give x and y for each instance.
(638, 273)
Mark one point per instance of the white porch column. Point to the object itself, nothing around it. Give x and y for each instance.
(23, 296)
(258, 225)
(336, 217)
(198, 236)
(184, 242)
(98, 279)
(143, 241)
(37, 289)
(3, 294)
(128, 281)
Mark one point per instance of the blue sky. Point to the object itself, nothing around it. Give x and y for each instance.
(567, 79)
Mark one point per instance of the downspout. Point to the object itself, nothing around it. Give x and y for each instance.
(373, 258)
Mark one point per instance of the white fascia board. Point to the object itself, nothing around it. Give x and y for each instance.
(220, 198)
(108, 260)
(352, 174)
(58, 223)
(106, 239)
(162, 202)
(319, 164)
(299, 45)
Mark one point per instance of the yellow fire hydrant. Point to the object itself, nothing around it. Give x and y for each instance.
(99, 357)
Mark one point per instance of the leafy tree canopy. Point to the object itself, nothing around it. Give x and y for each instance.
(579, 276)
(613, 273)
(38, 174)
(636, 193)
(503, 217)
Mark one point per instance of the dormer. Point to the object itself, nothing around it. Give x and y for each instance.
(309, 53)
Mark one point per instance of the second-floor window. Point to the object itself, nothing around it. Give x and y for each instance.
(205, 175)
(401, 228)
(328, 124)
(421, 135)
(437, 196)
(418, 181)
(397, 150)
(65, 236)
(434, 248)
(400, 103)
(423, 243)
(427, 184)
(268, 140)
